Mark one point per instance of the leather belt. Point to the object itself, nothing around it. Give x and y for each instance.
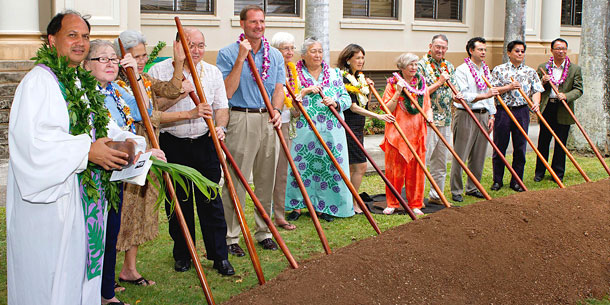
(480, 110)
(516, 107)
(246, 110)
(553, 100)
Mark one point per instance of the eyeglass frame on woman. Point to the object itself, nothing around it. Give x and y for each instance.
(105, 60)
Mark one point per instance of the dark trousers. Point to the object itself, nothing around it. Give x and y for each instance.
(504, 129)
(544, 140)
(113, 225)
(199, 154)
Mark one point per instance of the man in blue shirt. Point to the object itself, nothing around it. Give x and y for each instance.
(250, 136)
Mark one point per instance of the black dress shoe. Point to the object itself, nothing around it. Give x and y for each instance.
(326, 217)
(268, 244)
(224, 267)
(476, 193)
(235, 249)
(292, 216)
(537, 178)
(517, 188)
(182, 265)
(496, 186)
(457, 198)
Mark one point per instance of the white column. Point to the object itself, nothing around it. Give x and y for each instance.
(551, 20)
(316, 23)
(19, 17)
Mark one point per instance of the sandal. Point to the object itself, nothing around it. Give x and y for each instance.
(389, 211)
(287, 226)
(293, 216)
(118, 288)
(139, 282)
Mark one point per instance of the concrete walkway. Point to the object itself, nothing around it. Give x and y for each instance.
(371, 144)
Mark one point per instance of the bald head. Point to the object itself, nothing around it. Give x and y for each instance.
(196, 43)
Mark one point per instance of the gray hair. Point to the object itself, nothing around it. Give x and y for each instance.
(308, 43)
(405, 59)
(441, 37)
(130, 39)
(96, 45)
(281, 38)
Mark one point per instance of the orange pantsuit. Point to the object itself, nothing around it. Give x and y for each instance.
(401, 167)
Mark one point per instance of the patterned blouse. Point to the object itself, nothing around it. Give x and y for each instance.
(526, 76)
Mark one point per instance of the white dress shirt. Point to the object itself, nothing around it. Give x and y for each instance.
(213, 87)
(557, 72)
(468, 86)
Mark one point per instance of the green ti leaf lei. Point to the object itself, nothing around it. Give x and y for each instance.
(420, 98)
(81, 113)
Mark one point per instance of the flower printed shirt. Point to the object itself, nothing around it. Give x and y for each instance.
(526, 76)
(442, 97)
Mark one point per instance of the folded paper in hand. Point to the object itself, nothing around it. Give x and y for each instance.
(135, 173)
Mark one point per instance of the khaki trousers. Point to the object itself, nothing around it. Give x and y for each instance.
(436, 158)
(251, 140)
(471, 146)
(281, 172)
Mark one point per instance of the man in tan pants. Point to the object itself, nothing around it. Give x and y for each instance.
(250, 136)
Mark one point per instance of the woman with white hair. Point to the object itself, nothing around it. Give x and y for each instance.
(401, 167)
(140, 216)
(285, 43)
(328, 192)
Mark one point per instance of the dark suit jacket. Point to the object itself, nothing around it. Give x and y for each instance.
(571, 87)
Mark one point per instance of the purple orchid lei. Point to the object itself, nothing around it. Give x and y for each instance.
(564, 73)
(480, 83)
(307, 83)
(266, 60)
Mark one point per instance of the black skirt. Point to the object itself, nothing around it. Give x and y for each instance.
(356, 124)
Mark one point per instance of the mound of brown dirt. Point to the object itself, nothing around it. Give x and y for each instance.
(543, 247)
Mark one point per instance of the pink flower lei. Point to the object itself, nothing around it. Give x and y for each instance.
(307, 83)
(480, 83)
(266, 60)
(564, 73)
(417, 79)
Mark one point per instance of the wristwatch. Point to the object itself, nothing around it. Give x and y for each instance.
(224, 129)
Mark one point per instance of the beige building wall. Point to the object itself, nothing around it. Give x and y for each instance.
(20, 34)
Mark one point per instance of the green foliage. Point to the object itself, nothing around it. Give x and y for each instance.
(182, 176)
(372, 125)
(81, 112)
(155, 52)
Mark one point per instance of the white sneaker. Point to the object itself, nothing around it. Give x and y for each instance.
(416, 211)
(389, 211)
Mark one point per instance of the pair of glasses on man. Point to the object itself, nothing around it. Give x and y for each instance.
(105, 60)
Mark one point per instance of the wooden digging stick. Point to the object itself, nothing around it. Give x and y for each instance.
(440, 136)
(154, 142)
(223, 163)
(486, 134)
(345, 178)
(412, 149)
(584, 133)
(512, 117)
(373, 163)
(257, 203)
(557, 140)
(295, 171)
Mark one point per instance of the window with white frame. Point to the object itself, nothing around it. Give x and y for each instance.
(571, 12)
(439, 9)
(182, 6)
(385, 9)
(271, 7)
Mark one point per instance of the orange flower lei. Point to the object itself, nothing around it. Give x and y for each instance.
(293, 81)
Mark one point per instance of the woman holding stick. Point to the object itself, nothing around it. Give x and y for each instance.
(140, 217)
(351, 62)
(401, 166)
(330, 196)
(285, 43)
(103, 63)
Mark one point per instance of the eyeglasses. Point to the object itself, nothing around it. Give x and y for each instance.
(200, 46)
(560, 49)
(105, 60)
(288, 48)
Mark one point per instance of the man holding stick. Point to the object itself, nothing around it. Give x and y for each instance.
(188, 142)
(568, 79)
(250, 134)
(436, 71)
(526, 79)
(468, 141)
(57, 188)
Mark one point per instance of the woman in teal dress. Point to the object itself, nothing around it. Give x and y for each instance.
(327, 190)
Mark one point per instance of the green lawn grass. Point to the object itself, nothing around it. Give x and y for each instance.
(155, 260)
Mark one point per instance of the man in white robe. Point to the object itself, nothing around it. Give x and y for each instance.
(46, 239)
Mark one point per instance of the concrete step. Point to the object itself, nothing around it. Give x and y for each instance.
(11, 77)
(8, 89)
(16, 65)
